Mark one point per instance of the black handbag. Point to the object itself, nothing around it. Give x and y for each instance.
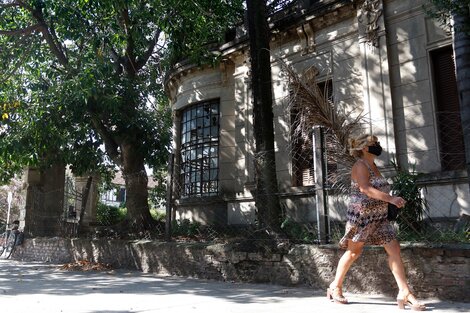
(392, 212)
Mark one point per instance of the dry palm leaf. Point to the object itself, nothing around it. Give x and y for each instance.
(314, 109)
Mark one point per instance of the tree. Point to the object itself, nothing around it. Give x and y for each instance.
(267, 199)
(444, 10)
(460, 12)
(80, 75)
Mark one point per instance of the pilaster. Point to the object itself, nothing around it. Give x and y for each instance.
(376, 78)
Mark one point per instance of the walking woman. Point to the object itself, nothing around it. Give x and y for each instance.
(367, 222)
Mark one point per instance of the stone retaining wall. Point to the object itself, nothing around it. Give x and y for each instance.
(433, 271)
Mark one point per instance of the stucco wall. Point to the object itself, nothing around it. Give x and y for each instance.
(433, 271)
(411, 35)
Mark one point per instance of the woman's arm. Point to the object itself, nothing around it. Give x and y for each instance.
(360, 174)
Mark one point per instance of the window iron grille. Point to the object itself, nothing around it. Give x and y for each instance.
(200, 150)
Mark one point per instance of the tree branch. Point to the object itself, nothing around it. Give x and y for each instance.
(110, 144)
(130, 63)
(115, 57)
(150, 47)
(43, 28)
(52, 44)
(56, 40)
(23, 31)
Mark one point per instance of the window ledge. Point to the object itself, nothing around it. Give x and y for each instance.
(199, 200)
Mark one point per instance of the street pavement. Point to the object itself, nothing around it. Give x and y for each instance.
(37, 287)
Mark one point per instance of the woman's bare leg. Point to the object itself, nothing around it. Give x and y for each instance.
(396, 266)
(347, 259)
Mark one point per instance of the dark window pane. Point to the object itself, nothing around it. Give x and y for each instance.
(199, 149)
(451, 143)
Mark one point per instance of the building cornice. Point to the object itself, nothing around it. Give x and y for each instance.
(315, 14)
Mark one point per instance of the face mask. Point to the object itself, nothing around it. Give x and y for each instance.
(375, 149)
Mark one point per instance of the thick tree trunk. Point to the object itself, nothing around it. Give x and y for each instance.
(462, 66)
(267, 199)
(135, 176)
(126, 153)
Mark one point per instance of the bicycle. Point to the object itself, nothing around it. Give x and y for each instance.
(8, 241)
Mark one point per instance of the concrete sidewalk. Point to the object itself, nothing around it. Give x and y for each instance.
(37, 287)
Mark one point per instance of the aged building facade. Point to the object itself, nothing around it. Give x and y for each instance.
(386, 59)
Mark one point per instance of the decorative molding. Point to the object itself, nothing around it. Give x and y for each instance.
(306, 34)
(368, 18)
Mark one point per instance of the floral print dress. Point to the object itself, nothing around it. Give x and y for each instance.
(367, 217)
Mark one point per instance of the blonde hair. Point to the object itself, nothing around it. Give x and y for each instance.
(358, 143)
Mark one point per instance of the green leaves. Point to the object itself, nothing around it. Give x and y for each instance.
(193, 26)
(83, 72)
(443, 10)
(405, 184)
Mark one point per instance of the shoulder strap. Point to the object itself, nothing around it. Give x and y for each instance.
(371, 172)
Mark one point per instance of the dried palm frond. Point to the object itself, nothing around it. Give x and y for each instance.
(314, 109)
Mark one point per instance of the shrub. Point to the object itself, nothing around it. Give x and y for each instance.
(157, 214)
(298, 232)
(410, 217)
(109, 215)
(185, 228)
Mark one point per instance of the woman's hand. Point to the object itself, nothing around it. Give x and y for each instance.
(398, 201)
